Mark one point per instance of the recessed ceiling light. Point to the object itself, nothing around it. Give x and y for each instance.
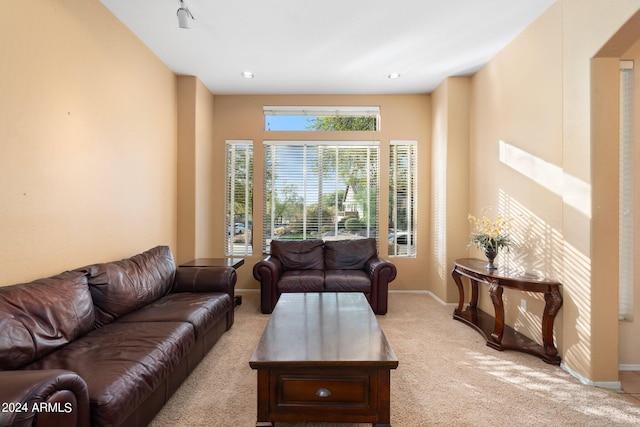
(247, 74)
(394, 76)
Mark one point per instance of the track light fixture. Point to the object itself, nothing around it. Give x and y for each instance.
(183, 15)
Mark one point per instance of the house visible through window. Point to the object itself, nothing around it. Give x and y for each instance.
(325, 190)
(403, 179)
(239, 198)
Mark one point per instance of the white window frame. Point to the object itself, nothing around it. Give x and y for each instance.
(403, 175)
(233, 244)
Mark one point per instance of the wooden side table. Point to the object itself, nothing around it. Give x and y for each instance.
(497, 334)
(214, 262)
(217, 262)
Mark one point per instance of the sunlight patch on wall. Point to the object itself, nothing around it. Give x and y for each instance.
(577, 292)
(538, 251)
(541, 249)
(575, 192)
(440, 209)
(538, 248)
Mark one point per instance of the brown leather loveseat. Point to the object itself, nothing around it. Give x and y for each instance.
(324, 266)
(107, 344)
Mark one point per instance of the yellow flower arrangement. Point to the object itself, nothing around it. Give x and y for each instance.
(490, 234)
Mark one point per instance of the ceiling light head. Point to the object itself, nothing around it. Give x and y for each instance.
(183, 16)
(394, 76)
(247, 74)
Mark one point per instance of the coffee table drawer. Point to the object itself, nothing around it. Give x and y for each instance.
(338, 389)
(323, 390)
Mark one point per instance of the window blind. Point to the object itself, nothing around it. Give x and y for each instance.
(403, 178)
(626, 211)
(239, 198)
(319, 189)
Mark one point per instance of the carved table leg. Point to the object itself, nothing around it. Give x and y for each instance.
(495, 291)
(553, 302)
(474, 294)
(456, 278)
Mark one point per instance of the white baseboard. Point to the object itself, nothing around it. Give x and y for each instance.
(408, 291)
(431, 294)
(629, 367)
(612, 385)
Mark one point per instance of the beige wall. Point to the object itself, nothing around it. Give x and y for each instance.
(605, 113)
(91, 142)
(602, 78)
(198, 208)
(87, 140)
(535, 156)
(404, 117)
(450, 183)
(517, 108)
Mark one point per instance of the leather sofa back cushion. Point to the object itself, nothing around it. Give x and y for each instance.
(40, 316)
(349, 254)
(121, 287)
(299, 254)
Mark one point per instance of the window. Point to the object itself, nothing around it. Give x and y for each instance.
(403, 178)
(282, 118)
(626, 212)
(239, 198)
(325, 190)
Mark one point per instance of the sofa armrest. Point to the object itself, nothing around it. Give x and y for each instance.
(381, 272)
(51, 397)
(377, 266)
(267, 272)
(205, 279)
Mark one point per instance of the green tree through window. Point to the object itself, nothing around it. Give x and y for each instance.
(312, 188)
(341, 123)
(239, 198)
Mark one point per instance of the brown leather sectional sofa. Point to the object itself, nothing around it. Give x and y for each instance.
(107, 344)
(324, 266)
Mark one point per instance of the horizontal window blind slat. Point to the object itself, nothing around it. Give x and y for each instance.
(308, 186)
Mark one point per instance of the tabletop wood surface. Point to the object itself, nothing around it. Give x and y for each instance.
(323, 329)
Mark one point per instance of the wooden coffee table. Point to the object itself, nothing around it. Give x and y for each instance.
(323, 358)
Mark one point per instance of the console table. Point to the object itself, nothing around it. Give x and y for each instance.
(498, 335)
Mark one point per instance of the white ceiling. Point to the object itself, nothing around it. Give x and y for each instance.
(327, 46)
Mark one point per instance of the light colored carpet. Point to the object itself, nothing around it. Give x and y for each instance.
(447, 376)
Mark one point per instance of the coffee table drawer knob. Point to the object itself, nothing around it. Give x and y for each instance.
(323, 392)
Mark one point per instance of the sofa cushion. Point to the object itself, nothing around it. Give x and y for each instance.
(121, 287)
(347, 281)
(202, 310)
(122, 364)
(349, 254)
(299, 254)
(301, 281)
(40, 316)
